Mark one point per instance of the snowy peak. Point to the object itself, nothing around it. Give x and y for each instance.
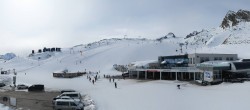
(234, 29)
(234, 18)
(8, 56)
(192, 34)
(169, 35)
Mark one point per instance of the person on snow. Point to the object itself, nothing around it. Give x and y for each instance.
(179, 86)
(115, 85)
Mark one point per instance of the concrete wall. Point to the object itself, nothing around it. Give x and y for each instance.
(198, 58)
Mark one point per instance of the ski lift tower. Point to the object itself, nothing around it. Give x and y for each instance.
(181, 44)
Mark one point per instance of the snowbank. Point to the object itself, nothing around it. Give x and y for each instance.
(2, 107)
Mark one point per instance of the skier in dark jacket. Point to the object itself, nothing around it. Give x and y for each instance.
(115, 85)
(179, 86)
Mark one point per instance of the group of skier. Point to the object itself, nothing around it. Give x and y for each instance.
(96, 77)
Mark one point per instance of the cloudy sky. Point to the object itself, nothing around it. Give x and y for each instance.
(33, 24)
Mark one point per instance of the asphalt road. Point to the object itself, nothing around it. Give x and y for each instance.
(30, 100)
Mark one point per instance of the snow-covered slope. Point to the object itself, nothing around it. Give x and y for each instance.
(235, 29)
(239, 34)
(133, 94)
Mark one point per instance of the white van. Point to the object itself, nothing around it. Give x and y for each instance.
(75, 95)
(67, 104)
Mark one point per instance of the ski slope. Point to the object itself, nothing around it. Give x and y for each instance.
(131, 94)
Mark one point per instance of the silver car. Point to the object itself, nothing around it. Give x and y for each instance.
(22, 86)
(67, 104)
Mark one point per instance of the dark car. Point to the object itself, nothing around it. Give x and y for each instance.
(36, 87)
(2, 85)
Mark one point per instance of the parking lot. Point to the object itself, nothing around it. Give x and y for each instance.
(30, 100)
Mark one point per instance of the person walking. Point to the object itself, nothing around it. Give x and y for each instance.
(113, 79)
(109, 79)
(93, 81)
(115, 85)
(179, 86)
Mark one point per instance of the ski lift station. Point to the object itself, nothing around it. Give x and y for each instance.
(198, 66)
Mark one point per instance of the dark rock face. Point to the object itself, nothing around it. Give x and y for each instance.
(192, 34)
(234, 18)
(169, 35)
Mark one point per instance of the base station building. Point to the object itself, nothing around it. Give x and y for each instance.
(198, 66)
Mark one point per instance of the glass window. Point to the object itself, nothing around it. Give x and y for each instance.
(72, 104)
(190, 60)
(202, 59)
(63, 103)
(206, 59)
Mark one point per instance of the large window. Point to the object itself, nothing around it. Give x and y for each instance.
(206, 59)
(63, 103)
(217, 58)
(190, 61)
(202, 59)
(217, 74)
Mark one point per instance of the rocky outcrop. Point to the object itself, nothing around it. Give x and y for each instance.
(192, 34)
(234, 18)
(169, 35)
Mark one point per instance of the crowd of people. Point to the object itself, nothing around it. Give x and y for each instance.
(94, 76)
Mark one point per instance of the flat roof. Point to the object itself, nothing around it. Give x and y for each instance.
(214, 64)
(213, 54)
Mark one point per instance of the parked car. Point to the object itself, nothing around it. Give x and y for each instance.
(67, 104)
(36, 87)
(67, 90)
(22, 86)
(62, 97)
(2, 85)
(74, 95)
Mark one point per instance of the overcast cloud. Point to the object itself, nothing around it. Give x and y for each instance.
(33, 24)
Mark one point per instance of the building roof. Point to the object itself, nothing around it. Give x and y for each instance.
(212, 54)
(214, 64)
